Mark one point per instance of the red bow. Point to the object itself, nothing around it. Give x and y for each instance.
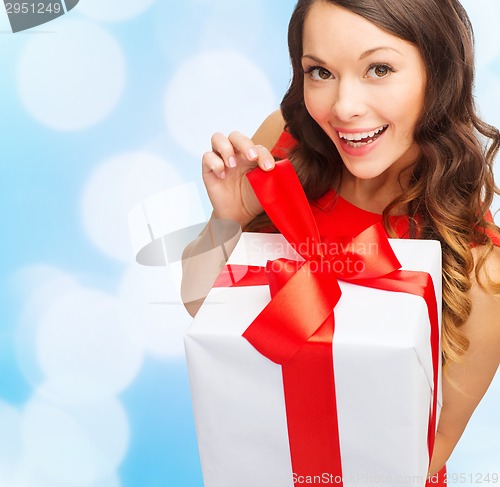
(296, 328)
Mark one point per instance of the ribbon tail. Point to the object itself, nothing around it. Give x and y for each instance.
(311, 409)
(283, 199)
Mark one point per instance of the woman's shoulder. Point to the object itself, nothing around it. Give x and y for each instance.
(273, 135)
(270, 131)
(487, 262)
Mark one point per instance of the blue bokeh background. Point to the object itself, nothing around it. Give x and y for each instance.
(101, 108)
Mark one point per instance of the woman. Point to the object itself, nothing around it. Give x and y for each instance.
(380, 115)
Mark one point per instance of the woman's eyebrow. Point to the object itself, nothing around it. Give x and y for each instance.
(314, 58)
(375, 49)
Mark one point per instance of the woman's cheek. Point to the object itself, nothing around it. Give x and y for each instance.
(316, 106)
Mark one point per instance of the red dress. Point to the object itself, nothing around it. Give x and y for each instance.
(330, 213)
(331, 209)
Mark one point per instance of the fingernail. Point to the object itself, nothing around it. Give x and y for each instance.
(252, 153)
(222, 174)
(232, 162)
(268, 165)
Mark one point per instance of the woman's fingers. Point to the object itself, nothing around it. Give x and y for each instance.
(257, 154)
(236, 149)
(223, 147)
(223, 172)
(211, 162)
(265, 160)
(244, 145)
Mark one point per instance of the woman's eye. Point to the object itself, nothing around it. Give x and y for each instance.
(320, 74)
(379, 71)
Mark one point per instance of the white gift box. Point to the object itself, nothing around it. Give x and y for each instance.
(383, 379)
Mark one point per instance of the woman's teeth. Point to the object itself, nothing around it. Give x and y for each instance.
(362, 138)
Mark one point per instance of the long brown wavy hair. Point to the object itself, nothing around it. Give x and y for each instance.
(451, 185)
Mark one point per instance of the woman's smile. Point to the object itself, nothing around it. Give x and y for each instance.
(358, 142)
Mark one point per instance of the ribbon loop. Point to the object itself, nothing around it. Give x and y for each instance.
(296, 311)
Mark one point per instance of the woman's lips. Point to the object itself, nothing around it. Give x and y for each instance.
(360, 142)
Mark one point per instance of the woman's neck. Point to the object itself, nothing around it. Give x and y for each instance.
(372, 195)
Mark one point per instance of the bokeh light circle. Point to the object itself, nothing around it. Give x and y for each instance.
(217, 91)
(73, 79)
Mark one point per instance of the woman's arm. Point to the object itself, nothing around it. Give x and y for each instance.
(205, 256)
(467, 382)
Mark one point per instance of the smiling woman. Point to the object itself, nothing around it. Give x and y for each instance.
(365, 88)
(380, 124)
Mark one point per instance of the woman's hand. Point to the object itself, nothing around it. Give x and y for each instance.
(223, 171)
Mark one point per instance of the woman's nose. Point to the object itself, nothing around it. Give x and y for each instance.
(349, 102)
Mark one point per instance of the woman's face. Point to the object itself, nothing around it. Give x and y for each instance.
(364, 87)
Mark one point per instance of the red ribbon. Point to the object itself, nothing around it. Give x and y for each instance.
(296, 328)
